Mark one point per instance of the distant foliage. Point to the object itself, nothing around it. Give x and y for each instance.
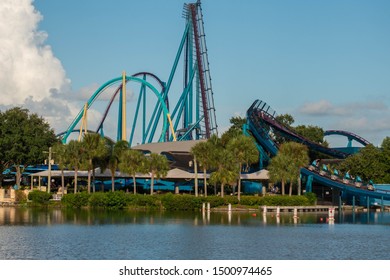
(23, 139)
(143, 201)
(76, 200)
(311, 197)
(370, 163)
(115, 200)
(39, 197)
(181, 202)
(173, 202)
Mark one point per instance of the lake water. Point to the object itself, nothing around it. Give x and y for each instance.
(135, 235)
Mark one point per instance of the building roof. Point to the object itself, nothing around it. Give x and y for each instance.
(258, 175)
(175, 146)
(175, 173)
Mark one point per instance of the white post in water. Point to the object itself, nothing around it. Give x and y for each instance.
(203, 207)
(230, 213)
(331, 215)
(295, 213)
(208, 206)
(277, 211)
(264, 210)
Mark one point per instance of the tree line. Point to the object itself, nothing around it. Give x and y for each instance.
(25, 137)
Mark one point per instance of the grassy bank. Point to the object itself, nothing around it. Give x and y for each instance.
(120, 200)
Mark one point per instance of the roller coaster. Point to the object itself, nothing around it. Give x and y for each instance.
(264, 127)
(149, 108)
(193, 115)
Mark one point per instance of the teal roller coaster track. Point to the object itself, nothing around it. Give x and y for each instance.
(262, 124)
(192, 117)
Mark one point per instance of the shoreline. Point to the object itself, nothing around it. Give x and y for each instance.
(233, 208)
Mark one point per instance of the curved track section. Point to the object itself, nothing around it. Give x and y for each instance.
(263, 126)
(262, 123)
(350, 189)
(114, 81)
(351, 136)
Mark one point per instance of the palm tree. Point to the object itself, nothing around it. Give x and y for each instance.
(132, 162)
(299, 158)
(286, 165)
(74, 152)
(278, 170)
(158, 167)
(226, 168)
(94, 146)
(245, 152)
(60, 157)
(112, 158)
(202, 153)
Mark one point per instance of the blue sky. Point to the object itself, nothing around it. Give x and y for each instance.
(327, 63)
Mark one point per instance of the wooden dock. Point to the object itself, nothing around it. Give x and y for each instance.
(317, 208)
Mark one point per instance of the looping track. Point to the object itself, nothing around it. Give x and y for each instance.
(192, 116)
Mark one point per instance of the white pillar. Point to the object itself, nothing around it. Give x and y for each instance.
(331, 215)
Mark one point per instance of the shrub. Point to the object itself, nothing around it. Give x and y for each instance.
(251, 200)
(77, 200)
(216, 201)
(39, 197)
(281, 200)
(311, 197)
(98, 199)
(231, 199)
(181, 202)
(140, 200)
(115, 200)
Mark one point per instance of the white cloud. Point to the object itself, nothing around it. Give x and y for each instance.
(322, 107)
(28, 68)
(30, 74)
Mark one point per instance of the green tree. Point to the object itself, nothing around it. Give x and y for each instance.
(23, 139)
(386, 158)
(278, 170)
(112, 158)
(60, 158)
(245, 153)
(94, 147)
(222, 162)
(298, 157)
(235, 129)
(75, 158)
(368, 163)
(202, 153)
(286, 119)
(312, 133)
(226, 168)
(158, 167)
(286, 165)
(133, 162)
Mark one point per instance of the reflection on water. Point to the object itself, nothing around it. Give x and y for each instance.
(38, 216)
(98, 234)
